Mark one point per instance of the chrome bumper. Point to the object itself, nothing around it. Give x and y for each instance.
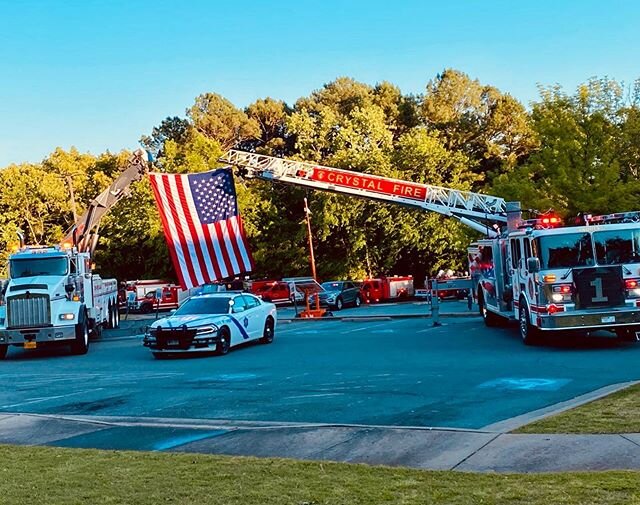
(19, 336)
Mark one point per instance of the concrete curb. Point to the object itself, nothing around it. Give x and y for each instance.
(508, 425)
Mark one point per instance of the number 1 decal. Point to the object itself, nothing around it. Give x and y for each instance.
(597, 283)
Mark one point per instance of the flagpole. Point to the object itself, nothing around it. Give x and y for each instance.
(307, 213)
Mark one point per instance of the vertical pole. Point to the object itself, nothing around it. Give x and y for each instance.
(73, 198)
(311, 257)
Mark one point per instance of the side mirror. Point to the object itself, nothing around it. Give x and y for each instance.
(533, 265)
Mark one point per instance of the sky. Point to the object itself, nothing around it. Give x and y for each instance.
(98, 75)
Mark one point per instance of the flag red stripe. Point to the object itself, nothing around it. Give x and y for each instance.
(212, 252)
(223, 247)
(245, 244)
(192, 229)
(234, 245)
(181, 236)
(155, 180)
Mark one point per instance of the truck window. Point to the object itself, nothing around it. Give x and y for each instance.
(516, 253)
(527, 248)
(616, 247)
(30, 267)
(564, 251)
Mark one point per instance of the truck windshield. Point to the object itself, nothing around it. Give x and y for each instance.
(204, 305)
(563, 251)
(617, 246)
(31, 267)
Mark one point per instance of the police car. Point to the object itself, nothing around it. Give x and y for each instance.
(212, 323)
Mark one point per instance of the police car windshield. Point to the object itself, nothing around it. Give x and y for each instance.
(32, 267)
(564, 251)
(617, 246)
(204, 305)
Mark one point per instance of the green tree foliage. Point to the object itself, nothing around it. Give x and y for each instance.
(491, 127)
(587, 161)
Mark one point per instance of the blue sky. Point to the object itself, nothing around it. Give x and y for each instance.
(99, 74)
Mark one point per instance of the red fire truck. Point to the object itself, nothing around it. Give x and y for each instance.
(147, 295)
(387, 288)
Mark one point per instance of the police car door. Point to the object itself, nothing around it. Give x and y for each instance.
(240, 315)
(254, 314)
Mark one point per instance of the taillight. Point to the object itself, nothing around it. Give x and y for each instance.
(632, 287)
(552, 309)
(561, 293)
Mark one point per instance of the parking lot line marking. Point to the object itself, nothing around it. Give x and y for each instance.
(47, 398)
(313, 396)
(386, 323)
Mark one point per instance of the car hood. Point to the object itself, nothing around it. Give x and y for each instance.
(189, 320)
(327, 294)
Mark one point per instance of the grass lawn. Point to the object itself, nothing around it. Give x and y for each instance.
(43, 475)
(616, 413)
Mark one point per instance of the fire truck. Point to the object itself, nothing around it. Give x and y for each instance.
(549, 278)
(153, 294)
(53, 296)
(387, 288)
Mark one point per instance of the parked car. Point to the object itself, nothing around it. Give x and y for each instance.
(215, 323)
(277, 291)
(337, 294)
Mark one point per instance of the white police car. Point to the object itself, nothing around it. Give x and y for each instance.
(213, 322)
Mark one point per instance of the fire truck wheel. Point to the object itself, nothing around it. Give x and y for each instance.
(224, 343)
(267, 334)
(358, 302)
(490, 319)
(339, 303)
(530, 334)
(145, 308)
(81, 343)
(3, 351)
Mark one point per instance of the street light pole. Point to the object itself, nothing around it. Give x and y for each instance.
(307, 213)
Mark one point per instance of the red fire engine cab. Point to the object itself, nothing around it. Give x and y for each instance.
(147, 295)
(387, 288)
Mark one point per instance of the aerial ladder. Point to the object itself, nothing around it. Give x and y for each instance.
(84, 232)
(475, 210)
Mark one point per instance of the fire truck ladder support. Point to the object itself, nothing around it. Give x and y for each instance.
(472, 209)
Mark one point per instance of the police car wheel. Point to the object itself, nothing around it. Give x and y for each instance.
(223, 345)
(358, 301)
(267, 334)
(339, 304)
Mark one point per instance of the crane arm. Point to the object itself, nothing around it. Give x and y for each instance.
(84, 231)
(473, 209)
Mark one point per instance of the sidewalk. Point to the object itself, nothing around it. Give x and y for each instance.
(424, 448)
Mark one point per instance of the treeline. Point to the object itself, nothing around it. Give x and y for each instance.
(572, 152)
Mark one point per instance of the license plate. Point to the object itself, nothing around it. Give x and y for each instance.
(608, 319)
(30, 345)
(173, 342)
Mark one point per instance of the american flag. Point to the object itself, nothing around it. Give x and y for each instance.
(202, 226)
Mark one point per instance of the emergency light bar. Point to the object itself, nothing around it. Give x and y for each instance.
(618, 217)
(542, 223)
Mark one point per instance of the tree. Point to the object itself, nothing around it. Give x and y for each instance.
(579, 166)
(492, 128)
(217, 118)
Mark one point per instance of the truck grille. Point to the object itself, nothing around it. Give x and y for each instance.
(598, 287)
(28, 311)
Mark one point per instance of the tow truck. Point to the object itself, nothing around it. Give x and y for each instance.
(551, 279)
(52, 296)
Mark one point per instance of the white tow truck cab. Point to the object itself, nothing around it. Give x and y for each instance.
(52, 297)
(553, 278)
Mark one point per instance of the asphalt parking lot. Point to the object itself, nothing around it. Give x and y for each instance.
(375, 371)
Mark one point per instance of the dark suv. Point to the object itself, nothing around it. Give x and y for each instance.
(337, 294)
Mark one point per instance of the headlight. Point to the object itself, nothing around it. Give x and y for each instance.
(205, 330)
(331, 298)
(67, 316)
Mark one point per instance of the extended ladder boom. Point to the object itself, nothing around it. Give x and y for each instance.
(473, 209)
(84, 231)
